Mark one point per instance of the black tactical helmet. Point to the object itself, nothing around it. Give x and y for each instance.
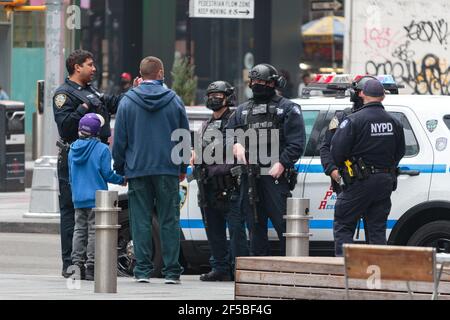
(359, 84)
(357, 87)
(266, 72)
(225, 88)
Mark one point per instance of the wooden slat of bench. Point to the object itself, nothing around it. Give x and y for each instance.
(394, 262)
(330, 281)
(253, 290)
(324, 265)
(315, 265)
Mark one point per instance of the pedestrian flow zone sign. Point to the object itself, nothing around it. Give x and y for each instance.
(237, 9)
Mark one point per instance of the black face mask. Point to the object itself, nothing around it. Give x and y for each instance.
(358, 102)
(262, 92)
(214, 104)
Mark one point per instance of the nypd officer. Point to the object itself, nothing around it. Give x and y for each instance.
(326, 159)
(72, 100)
(367, 147)
(219, 197)
(268, 113)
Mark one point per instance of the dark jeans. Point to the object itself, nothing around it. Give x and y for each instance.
(67, 212)
(272, 204)
(144, 194)
(370, 198)
(223, 255)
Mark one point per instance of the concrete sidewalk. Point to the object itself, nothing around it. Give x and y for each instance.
(13, 205)
(43, 287)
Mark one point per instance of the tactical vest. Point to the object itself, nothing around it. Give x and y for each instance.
(263, 119)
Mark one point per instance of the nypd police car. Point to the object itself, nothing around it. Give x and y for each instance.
(420, 214)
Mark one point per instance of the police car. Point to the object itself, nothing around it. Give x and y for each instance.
(420, 213)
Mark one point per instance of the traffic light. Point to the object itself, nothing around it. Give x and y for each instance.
(13, 3)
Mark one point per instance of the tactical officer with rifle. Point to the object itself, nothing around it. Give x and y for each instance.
(71, 101)
(218, 194)
(366, 147)
(278, 125)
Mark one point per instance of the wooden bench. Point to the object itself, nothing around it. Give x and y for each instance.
(318, 278)
(379, 264)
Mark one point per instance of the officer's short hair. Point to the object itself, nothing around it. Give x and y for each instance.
(150, 67)
(77, 57)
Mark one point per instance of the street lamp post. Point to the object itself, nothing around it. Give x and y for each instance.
(45, 189)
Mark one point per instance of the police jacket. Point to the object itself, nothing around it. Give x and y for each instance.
(325, 155)
(219, 124)
(371, 134)
(68, 109)
(275, 113)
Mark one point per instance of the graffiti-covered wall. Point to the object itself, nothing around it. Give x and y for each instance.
(409, 39)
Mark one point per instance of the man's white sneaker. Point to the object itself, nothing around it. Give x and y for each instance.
(172, 281)
(142, 280)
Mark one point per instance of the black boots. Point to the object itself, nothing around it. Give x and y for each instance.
(215, 276)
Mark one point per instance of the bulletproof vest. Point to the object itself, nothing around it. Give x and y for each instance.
(95, 99)
(214, 125)
(263, 119)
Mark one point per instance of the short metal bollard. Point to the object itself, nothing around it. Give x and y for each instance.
(297, 227)
(106, 229)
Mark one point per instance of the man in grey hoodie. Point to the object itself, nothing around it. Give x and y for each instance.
(148, 115)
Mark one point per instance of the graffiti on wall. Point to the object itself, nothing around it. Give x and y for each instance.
(412, 46)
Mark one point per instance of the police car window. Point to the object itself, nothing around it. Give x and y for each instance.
(447, 120)
(310, 118)
(412, 146)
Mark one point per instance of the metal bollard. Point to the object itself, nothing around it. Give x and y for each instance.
(106, 229)
(297, 227)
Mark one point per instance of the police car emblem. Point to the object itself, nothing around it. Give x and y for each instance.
(183, 196)
(343, 124)
(432, 125)
(60, 99)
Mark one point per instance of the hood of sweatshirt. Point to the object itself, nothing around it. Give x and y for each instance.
(82, 149)
(151, 96)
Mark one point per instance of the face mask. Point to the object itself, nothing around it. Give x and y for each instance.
(262, 92)
(214, 103)
(358, 102)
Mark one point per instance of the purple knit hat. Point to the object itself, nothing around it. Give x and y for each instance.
(90, 124)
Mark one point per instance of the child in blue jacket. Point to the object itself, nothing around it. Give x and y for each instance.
(89, 171)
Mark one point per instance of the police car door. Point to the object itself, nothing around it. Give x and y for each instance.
(317, 186)
(416, 166)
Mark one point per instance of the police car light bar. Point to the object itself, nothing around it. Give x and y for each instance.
(337, 84)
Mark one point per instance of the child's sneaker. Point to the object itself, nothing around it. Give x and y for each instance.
(89, 275)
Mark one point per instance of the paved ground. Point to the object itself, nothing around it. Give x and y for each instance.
(13, 205)
(30, 268)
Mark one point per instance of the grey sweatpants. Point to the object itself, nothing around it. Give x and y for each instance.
(84, 238)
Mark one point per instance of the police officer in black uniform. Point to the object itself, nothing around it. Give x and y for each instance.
(328, 164)
(219, 196)
(367, 147)
(72, 100)
(268, 113)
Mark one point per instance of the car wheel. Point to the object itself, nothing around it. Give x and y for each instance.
(126, 259)
(434, 234)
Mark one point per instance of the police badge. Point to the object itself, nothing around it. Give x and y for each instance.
(431, 125)
(60, 99)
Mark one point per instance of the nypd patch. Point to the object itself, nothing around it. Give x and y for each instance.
(344, 124)
(296, 110)
(60, 100)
